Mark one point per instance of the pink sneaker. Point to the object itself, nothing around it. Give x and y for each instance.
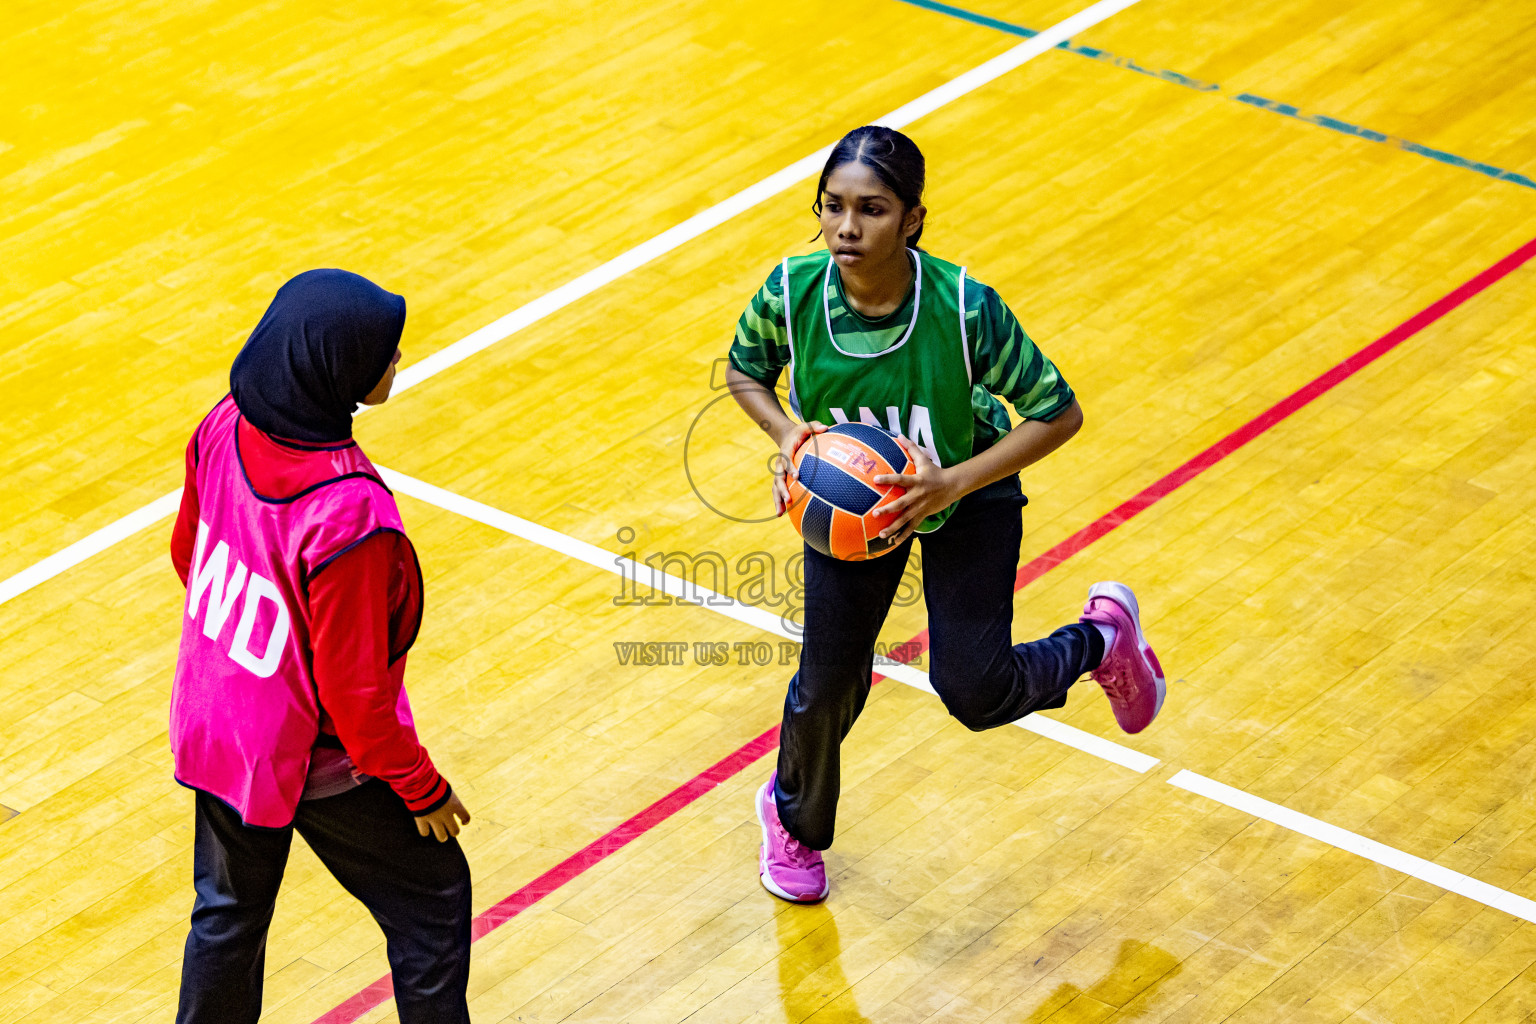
(786, 869)
(1130, 675)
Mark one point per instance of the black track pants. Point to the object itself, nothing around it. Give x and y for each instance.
(416, 888)
(984, 679)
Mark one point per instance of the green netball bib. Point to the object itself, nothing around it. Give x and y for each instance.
(918, 387)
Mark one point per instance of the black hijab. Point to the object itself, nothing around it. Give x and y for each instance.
(322, 345)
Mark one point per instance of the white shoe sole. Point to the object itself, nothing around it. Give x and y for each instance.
(1122, 595)
(762, 853)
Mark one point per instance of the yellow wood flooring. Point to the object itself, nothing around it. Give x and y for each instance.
(1344, 606)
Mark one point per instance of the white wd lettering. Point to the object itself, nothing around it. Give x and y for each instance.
(222, 587)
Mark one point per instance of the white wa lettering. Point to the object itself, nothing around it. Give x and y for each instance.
(213, 577)
(920, 433)
(919, 426)
(210, 577)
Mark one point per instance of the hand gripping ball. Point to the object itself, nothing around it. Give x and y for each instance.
(834, 489)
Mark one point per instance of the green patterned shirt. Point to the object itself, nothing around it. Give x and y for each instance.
(1004, 360)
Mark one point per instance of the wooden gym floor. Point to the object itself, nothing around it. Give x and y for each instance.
(1343, 602)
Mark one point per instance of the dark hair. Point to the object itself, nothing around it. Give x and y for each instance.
(894, 158)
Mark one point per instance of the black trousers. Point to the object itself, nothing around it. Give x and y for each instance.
(416, 888)
(983, 678)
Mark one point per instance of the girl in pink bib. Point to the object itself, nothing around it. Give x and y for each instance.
(288, 710)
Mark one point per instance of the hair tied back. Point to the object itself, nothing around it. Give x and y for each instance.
(894, 158)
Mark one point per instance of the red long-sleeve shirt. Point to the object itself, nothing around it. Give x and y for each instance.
(362, 612)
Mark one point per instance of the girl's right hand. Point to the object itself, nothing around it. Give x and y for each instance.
(784, 462)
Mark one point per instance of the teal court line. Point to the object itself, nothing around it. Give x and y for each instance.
(1273, 106)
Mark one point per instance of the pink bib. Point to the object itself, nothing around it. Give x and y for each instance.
(244, 711)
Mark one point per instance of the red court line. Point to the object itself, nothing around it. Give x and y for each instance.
(732, 764)
(1275, 414)
(577, 863)
(1281, 410)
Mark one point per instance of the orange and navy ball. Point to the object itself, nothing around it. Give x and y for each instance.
(834, 490)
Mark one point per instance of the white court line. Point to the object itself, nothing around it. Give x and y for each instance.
(1088, 743)
(683, 591)
(742, 201)
(1061, 732)
(676, 587)
(615, 268)
(92, 544)
(1388, 856)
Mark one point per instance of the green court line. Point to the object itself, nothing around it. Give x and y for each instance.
(1248, 98)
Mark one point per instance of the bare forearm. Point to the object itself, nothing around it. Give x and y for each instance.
(1022, 446)
(760, 403)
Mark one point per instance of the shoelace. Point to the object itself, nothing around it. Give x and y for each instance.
(798, 855)
(1116, 686)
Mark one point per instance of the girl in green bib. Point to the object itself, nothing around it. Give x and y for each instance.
(873, 329)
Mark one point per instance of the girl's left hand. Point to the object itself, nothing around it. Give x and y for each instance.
(929, 489)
